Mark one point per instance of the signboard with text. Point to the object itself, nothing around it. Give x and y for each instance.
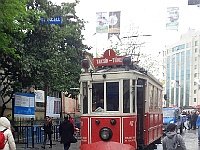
(109, 59)
(24, 105)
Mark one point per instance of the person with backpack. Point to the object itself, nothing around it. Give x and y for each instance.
(198, 125)
(7, 141)
(172, 140)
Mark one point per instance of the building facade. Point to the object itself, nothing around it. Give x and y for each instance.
(182, 71)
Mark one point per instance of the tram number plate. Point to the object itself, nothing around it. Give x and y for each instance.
(131, 123)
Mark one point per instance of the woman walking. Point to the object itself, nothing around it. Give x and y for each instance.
(66, 131)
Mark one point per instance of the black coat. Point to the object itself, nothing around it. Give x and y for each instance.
(66, 131)
(48, 127)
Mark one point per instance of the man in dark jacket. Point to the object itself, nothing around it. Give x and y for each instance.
(66, 131)
(47, 131)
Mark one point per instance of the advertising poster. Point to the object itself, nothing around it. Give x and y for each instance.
(114, 22)
(172, 18)
(24, 105)
(102, 22)
(53, 107)
(39, 96)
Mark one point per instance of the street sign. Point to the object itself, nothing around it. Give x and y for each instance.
(24, 105)
(55, 20)
(109, 59)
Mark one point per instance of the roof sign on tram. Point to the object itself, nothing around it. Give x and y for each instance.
(109, 59)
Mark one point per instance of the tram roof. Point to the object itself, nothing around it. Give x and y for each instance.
(122, 69)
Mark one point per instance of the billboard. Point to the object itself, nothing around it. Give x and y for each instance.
(172, 18)
(53, 107)
(114, 22)
(102, 22)
(24, 105)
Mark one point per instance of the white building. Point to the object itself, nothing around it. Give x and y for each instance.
(182, 70)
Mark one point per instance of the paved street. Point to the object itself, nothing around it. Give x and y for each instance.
(190, 138)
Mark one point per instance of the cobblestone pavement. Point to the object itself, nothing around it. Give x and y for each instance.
(56, 146)
(190, 138)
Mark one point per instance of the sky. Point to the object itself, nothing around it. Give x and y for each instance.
(149, 16)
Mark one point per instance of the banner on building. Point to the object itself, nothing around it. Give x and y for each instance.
(102, 22)
(39, 96)
(53, 107)
(114, 22)
(172, 18)
(193, 2)
(24, 105)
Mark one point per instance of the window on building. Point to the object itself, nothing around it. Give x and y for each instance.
(195, 66)
(39, 104)
(195, 99)
(195, 91)
(195, 83)
(195, 58)
(196, 43)
(195, 75)
(196, 50)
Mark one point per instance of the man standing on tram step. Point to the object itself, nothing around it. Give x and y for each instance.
(47, 131)
(66, 132)
(172, 140)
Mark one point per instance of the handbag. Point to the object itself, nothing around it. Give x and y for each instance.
(73, 139)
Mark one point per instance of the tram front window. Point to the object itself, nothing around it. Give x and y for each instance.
(111, 101)
(97, 97)
(112, 96)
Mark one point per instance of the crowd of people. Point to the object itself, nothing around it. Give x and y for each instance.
(191, 119)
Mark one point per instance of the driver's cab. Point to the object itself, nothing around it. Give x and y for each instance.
(108, 97)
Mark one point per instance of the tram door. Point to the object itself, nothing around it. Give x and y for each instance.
(140, 110)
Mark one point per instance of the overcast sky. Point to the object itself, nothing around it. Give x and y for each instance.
(149, 15)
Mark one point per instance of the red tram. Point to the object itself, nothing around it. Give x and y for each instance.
(121, 106)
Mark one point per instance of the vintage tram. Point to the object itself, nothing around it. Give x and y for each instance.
(121, 105)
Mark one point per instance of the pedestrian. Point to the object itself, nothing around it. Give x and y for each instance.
(47, 131)
(9, 139)
(189, 119)
(194, 120)
(172, 140)
(198, 125)
(66, 132)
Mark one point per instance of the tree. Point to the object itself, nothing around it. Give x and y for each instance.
(52, 53)
(131, 45)
(12, 26)
(35, 54)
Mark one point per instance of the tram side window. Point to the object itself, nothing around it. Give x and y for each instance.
(126, 96)
(85, 98)
(112, 96)
(97, 97)
(133, 93)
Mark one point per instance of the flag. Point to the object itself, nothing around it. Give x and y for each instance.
(172, 18)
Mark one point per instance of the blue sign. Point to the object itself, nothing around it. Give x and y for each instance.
(24, 105)
(55, 20)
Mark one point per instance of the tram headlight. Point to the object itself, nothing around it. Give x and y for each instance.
(105, 134)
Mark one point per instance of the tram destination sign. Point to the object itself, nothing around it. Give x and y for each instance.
(109, 59)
